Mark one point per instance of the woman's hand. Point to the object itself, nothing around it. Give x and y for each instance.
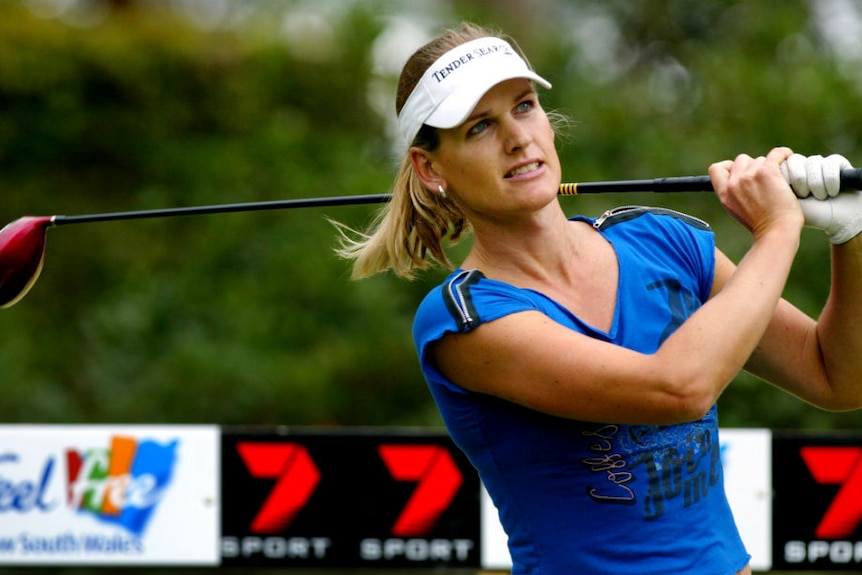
(755, 193)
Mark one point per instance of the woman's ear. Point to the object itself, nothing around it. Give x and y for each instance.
(423, 165)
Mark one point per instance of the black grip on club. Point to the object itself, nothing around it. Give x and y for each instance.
(851, 179)
(679, 184)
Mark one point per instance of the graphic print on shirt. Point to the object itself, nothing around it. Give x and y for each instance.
(688, 471)
(610, 465)
(680, 302)
(678, 462)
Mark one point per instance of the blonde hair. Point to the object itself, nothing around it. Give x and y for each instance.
(408, 232)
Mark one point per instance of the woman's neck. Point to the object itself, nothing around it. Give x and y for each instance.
(536, 248)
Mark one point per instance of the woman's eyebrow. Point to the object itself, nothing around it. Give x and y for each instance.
(477, 114)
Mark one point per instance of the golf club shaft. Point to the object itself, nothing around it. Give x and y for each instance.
(223, 209)
(851, 179)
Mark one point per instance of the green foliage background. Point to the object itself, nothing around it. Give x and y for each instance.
(247, 319)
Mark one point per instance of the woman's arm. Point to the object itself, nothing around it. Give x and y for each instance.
(819, 362)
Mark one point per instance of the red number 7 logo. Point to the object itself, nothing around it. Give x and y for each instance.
(439, 479)
(296, 478)
(838, 465)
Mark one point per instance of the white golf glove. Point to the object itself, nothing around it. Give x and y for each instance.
(816, 181)
(840, 217)
(814, 175)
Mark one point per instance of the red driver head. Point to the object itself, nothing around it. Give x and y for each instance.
(22, 251)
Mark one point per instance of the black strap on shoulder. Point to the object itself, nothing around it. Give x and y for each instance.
(459, 302)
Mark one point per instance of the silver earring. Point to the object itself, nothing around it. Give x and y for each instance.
(441, 190)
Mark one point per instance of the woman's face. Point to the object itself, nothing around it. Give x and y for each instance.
(502, 158)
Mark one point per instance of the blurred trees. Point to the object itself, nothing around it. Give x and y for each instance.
(250, 318)
(243, 319)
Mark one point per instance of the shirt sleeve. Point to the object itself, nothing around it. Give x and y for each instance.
(462, 303)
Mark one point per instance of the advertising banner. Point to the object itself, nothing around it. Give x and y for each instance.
(348, 500)
(359, 498)
(109, 494)
(817, 516)
(746, 455)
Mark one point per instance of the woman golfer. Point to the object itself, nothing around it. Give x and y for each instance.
(577, 362)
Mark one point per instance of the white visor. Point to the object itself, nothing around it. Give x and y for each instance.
(454, 84)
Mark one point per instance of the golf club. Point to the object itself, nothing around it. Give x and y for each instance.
(22, 242)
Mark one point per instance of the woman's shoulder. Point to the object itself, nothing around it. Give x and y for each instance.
(655, 230)
(468, 297)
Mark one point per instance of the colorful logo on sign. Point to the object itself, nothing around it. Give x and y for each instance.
(121, 484)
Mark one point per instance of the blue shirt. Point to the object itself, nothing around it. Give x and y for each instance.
(589, 498)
